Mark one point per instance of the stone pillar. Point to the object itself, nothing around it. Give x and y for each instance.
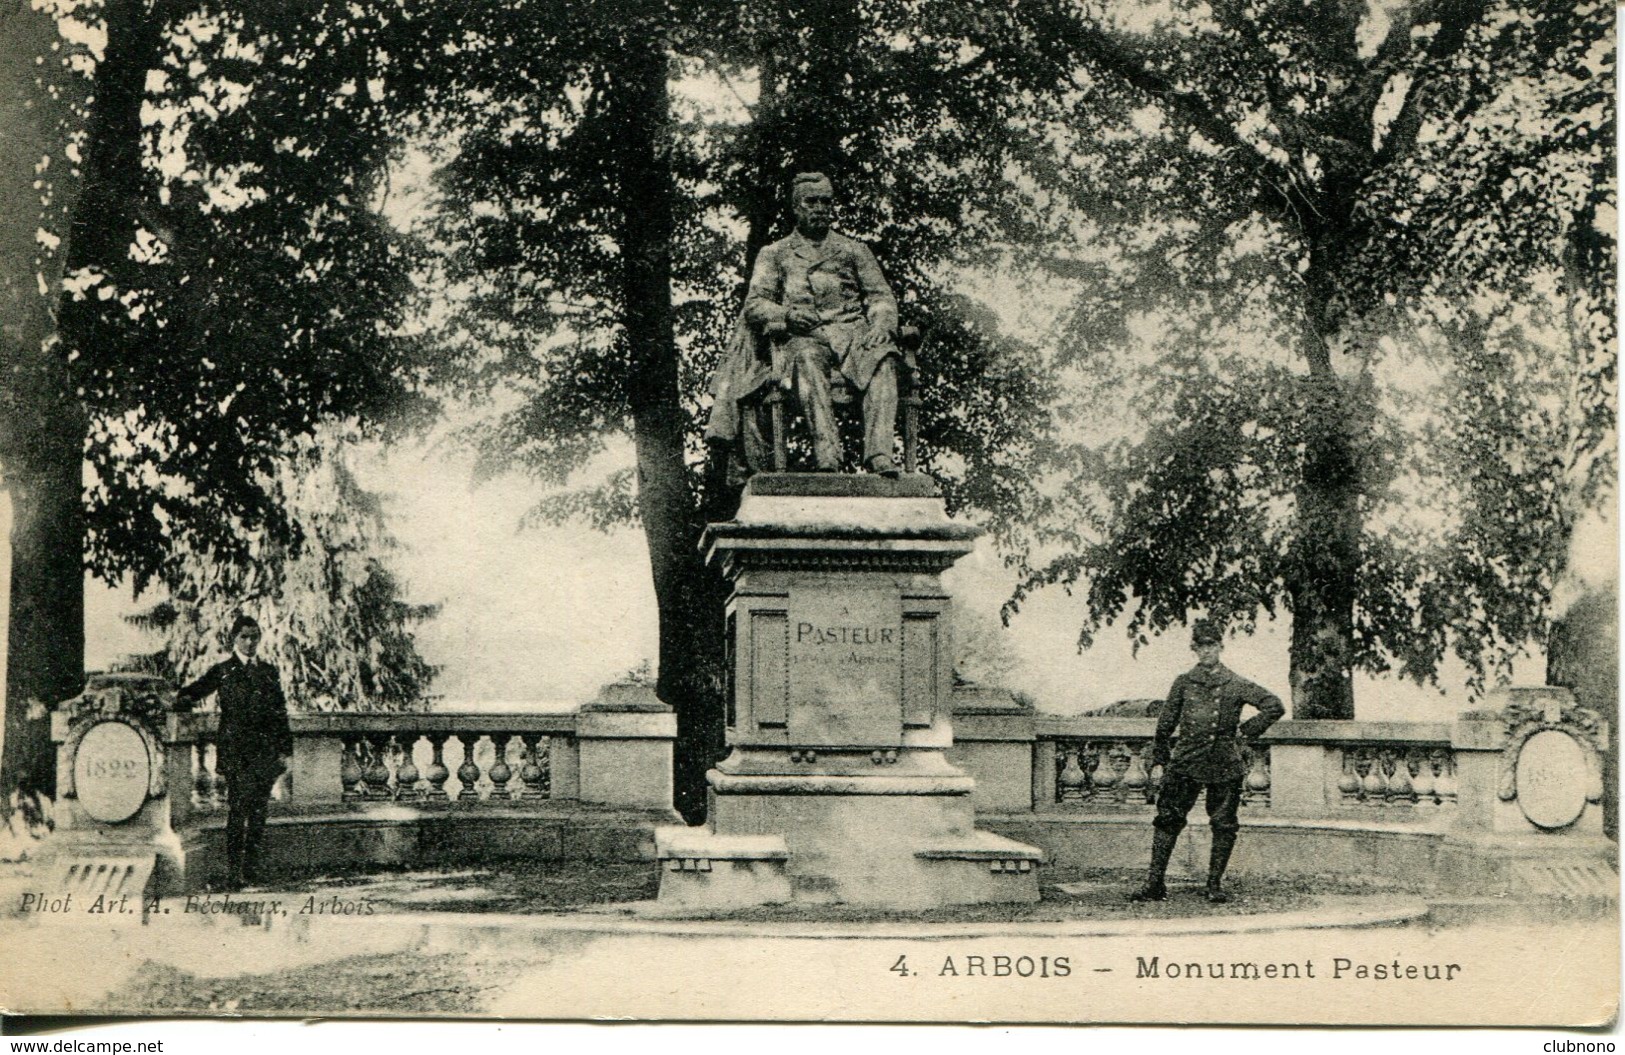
(1529, 792)
(317, 770)
(838, 788)
(1297, 775)
(993, 743)
(115, 846)
(564, 761)
(624, 743)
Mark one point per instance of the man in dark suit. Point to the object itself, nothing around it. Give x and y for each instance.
(253, 746)
(1204, 706)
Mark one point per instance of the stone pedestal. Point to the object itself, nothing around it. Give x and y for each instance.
(1529, 776)
(837, 788)
(115, 848)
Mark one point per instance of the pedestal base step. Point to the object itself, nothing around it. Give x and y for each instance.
(683, 849)
(110, 875)
(702, 870)
(1565, 879)
(997, 852)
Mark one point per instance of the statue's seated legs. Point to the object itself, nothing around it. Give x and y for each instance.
(880, 417)
(813, 360)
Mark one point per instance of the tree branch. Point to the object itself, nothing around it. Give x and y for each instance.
(1110, 54)
(1455, 18)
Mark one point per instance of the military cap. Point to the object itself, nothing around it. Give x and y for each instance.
(1207, 632)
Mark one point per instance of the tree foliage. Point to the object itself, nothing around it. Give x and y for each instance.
(336, 626)
(1342, 291)
(228, 283)
(246, 288)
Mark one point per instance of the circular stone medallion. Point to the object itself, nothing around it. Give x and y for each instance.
(1552, 779)
(111, 772)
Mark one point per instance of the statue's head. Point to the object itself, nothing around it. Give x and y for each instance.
(812, 199)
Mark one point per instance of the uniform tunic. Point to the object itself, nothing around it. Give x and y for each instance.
(1204, 706)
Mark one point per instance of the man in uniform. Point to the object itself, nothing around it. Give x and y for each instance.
(1204, 706)
(822, 300)
(253, 746)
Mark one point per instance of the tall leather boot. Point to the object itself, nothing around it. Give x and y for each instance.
(1223, 843)
(1162, 849)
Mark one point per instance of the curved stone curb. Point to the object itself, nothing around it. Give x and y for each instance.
(1331, 913)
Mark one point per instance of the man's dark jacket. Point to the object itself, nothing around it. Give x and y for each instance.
(1205, 707)
(254, 731)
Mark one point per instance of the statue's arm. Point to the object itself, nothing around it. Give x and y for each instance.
(879, 304)
(764, 302)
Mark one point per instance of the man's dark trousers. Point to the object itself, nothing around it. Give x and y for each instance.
(1178, 794)
(248, 796)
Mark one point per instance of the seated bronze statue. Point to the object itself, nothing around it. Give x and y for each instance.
(819, 322)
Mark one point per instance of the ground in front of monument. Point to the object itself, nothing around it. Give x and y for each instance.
(543, 941)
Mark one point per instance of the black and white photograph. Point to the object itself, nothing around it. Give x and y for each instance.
(1066, 512)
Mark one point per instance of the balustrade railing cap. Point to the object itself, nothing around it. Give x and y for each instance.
(627, 696)
(971, 698)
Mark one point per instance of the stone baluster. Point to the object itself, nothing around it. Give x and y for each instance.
(1444, 782)
(1256, 784)
(220, 790)
(437, 774)
(1422, 778)
(468, 773)
(1070, 779)
(1135, 779)
(501, 772)
(202, 778)
(351, 772)
(377, 766)
(1398, 774)
(1373, 787)
(406, 773)
(533, 769)
(1348, 785)
(1092, 758)
(1108, 772)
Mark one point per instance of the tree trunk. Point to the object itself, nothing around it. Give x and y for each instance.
(1325, 558)
(767, 190)
(41, 432)
(46, 427)
(691, 622)
(818, 86)
(45, 639)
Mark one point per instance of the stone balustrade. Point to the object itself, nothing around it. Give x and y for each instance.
(1433, 801)
(426, 760)
(407, 789)
(1117, 774)
(1444, 799)
(1393, 771)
